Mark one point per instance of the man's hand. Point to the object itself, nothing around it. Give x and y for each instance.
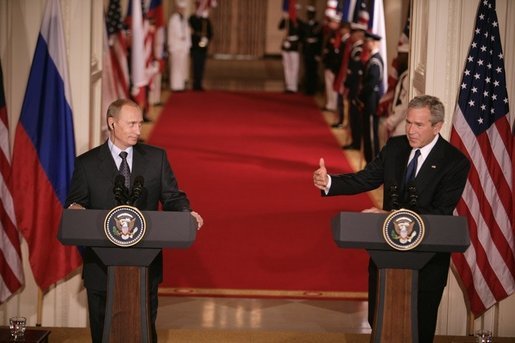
(374, 210)
(198, 218)
(75, 206)
(320, 178)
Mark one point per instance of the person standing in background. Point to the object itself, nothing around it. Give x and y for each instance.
(201, 35)
(331, 59)
(158, 44)
(179, 44)
(290, 48)
(352, 85)
(369, 95)
(311, 49)
(397, 112)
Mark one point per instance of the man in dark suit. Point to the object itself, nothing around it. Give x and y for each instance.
(437, 183)
(201, 35)
(92, 188)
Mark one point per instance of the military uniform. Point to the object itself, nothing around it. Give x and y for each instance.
(331, 57)
(290, 52)
(201, 34)
(369, 95)
(311, 49)
(352, 84)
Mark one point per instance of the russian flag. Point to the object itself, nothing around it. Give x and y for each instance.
(44, 152)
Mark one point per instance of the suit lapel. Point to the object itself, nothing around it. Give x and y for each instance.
(106, 163)
(432, 164)
(139, 161)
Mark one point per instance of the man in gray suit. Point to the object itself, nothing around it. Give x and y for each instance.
(435, 187)
(92, 188)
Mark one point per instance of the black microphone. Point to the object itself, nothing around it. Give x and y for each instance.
(137, 188)
(412, 196)
(394, 197)
(121, 193)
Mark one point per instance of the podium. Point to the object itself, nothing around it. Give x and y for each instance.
(127, 308)
(395, 317)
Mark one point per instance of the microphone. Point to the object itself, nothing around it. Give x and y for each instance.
(394, 197)
(412, 196)
(121, 193)
(137, 188)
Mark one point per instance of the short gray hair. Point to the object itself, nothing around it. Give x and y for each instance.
(116, 106)
(434, 105)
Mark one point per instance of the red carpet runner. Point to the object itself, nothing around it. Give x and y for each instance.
(246, 161)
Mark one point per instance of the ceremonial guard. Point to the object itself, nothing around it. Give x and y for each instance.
(179, 44)
(331, 58)
(312, 49)
(352, 85)
(370, 94)
(290, 51)
(201, 35)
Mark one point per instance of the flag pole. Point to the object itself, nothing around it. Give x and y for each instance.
(39, 309)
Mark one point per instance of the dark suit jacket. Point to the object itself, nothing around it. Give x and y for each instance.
(92, 187)
(439, 185)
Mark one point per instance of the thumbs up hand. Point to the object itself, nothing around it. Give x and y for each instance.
(320, 178)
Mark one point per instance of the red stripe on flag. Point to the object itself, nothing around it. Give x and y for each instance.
(39, 218)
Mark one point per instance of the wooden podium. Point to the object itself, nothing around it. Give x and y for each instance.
(127, 309)
(395, 318)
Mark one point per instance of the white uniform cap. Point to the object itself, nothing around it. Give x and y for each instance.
(181, 3)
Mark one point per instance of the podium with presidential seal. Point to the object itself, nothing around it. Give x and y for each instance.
(400, 244)
(127, 240)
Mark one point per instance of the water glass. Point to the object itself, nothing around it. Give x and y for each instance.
(483, 336)
(17, 327)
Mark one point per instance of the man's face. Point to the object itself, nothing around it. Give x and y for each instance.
(127, 127)
(419, 129)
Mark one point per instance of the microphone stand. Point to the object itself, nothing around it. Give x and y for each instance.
(394, 197)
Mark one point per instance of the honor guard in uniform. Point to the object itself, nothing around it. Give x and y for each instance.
(352, 84)
(179, 44)
(395, 122)
(201, 35)
(331, 58)
(290, 51)
(339, 79)
(311, 49)
(370, 94)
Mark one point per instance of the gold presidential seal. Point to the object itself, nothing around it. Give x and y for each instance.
(403, 230)
(124, 226)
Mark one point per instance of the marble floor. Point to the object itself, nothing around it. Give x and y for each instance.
(315, 316)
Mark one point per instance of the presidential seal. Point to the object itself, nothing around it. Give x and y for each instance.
(403, 230)
(125, 226)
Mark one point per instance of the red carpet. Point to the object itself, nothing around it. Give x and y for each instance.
(246, 160)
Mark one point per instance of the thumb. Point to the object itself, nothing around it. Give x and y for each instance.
(322, 163)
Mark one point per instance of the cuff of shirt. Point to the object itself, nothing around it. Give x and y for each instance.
(328, 186)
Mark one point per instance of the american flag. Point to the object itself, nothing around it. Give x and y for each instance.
(118, 49)
(11, 270)
(481, 129)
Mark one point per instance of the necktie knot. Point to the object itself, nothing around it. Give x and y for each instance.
(411, 170)
(124, 169)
